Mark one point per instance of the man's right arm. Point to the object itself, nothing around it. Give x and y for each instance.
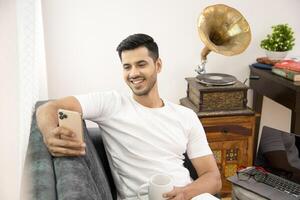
(59, 141)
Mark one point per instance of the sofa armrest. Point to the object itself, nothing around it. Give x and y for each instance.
(38, 181)
(39, 178)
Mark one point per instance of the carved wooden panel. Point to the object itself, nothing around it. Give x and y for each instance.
(217, 98)
(231, 140)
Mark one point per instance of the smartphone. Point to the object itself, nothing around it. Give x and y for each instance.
(71, 120)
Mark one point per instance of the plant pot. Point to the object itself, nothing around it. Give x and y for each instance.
(276, 55)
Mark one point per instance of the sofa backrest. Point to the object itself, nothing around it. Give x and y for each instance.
(96, 136)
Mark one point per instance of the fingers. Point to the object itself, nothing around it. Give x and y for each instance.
(170, 195)
(66, 143)
(60, 147)
(61, 131)
(176, 194)
(61, 142)
(63, 137)
(61, 151)
(66, 151)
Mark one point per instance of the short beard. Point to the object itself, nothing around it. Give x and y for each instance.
(141, 93)
(145, 91)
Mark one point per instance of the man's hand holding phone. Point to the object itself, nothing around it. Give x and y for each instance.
(67, 139)
(62, 142)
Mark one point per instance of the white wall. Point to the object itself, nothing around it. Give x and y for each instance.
(81, 37)
(9, 149)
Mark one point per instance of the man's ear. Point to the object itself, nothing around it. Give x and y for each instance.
(158, 64)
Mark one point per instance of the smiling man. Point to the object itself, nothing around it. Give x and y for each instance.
(144, 134)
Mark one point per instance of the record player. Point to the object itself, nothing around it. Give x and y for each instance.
(228, 34)
(220, 100)
(206, 98)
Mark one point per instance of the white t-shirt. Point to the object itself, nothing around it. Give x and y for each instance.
(142, 141)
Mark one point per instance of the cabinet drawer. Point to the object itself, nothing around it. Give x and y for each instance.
(246, 121)
(227, 132)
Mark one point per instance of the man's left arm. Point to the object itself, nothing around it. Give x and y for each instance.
(208, 180)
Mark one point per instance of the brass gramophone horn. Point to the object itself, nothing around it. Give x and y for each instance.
(223, 30)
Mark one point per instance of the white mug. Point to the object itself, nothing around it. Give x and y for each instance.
(157, 186)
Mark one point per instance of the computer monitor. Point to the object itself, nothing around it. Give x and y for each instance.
(278, 154)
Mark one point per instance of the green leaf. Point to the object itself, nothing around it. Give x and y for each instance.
(281, 39)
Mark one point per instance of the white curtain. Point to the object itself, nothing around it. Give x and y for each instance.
(31, 64)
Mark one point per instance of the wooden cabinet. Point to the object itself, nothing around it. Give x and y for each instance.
(231, 140)
(229, 124)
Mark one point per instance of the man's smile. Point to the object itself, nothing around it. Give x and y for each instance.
(137, 81)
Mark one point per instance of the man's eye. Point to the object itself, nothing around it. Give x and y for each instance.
(126, 67)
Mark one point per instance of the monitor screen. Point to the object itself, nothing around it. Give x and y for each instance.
(278, 153)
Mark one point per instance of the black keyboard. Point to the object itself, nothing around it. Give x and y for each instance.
(277, 182)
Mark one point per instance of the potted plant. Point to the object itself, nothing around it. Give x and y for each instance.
(279, 42)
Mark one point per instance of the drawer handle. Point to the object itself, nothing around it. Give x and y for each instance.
(224, 130)
(229, 129)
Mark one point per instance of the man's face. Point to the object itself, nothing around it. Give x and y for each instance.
(140, 70)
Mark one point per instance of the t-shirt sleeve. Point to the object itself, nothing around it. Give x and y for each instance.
(99, 106)
(197, 143)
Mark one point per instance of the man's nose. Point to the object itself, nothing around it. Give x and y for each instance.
(134, 72)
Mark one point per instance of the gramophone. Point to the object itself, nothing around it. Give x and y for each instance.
(223, 30)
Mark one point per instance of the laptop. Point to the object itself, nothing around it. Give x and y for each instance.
(278, 181)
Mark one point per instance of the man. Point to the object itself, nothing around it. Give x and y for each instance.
(144, 135)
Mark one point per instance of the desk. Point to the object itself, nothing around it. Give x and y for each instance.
(281, 90)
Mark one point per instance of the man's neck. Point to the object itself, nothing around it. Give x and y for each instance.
(150, 101)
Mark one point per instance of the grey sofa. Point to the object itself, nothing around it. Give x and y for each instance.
(49, 178)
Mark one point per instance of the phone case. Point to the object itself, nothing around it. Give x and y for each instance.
(71, 120)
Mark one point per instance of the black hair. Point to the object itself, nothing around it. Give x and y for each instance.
(139, 40)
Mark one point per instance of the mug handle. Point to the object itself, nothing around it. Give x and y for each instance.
(140, 188)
